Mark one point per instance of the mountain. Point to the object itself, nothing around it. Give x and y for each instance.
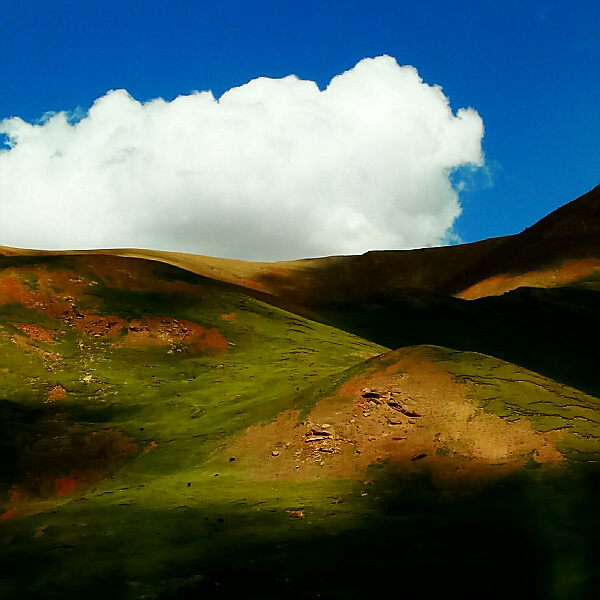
(177, 426)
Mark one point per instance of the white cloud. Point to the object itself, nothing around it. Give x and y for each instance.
(275, 169)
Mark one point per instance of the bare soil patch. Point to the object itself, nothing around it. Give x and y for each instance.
(412, 414)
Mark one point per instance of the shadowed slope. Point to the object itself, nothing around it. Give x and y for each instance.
(550, 331)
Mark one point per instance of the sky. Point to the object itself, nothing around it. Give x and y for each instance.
(267, 130)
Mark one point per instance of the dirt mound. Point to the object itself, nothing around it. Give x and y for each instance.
(405, 409)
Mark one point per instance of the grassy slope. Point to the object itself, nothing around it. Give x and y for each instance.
(173, 522)
(178, 405)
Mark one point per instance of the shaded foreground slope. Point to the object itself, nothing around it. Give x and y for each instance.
(168, 436)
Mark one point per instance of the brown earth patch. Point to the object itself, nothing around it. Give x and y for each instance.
(570, 271)
(54, 292)
(98, 326)
(25, 344)
(65, 485)
(412, 414)
(58, 392)
(166, 331)
(38, 333)
(228, 317)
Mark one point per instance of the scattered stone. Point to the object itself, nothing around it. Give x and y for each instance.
(295, 514)
(419, 456)
(409, 413)
(39, 532)
(58, 392)
(274, 453)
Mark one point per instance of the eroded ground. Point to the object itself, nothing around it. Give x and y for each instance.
(406, 409)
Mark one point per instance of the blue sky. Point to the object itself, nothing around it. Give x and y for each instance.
(530, 69)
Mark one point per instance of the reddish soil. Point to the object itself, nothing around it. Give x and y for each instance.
(53, 294)
(166, 331)
(98, 326)
(412, 414)
(56, 294)
(150, 447)
(88, 460)
(37, 333)
(65, 485)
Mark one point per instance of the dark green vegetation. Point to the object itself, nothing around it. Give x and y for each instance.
(124, 384)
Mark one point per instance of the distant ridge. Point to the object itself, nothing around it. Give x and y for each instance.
(570, 233)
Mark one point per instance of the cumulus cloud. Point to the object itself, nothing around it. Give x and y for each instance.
(274, 169)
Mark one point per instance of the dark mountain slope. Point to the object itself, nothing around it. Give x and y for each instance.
(357, 277)
(571, 232)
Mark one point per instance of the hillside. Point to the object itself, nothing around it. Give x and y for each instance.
(175, 426)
